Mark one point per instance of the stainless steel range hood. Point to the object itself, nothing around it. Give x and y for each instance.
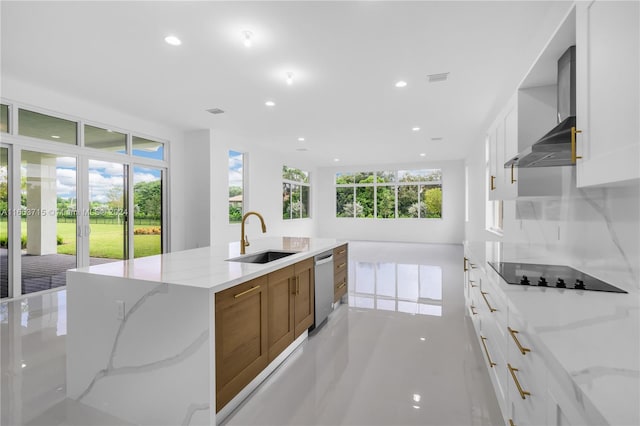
(555, 147)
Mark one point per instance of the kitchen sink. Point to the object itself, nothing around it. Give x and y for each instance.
(262, 257)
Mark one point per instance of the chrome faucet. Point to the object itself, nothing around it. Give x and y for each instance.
(244, 240)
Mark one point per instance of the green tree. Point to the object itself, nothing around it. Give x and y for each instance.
(147, 197)
(433, 202)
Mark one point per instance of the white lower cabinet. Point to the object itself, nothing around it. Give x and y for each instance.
(527, 393)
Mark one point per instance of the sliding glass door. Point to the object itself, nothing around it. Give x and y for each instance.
(4, 222)
(48, 199)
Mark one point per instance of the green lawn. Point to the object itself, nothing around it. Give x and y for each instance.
(105, 240)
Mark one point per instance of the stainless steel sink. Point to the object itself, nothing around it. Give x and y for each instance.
(262, 257)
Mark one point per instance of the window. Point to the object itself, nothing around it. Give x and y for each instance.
(105, 139)
(389, 194)
(147, 148)
(295, 193)
(47, 127)
(4, 118)
(236, 186)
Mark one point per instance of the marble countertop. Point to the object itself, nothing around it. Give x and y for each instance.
(590, 340)
(208, 268)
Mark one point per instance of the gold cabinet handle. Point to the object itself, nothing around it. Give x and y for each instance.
(511, 423)
(523, 393)
(342, 265)
(465, 264)
(492, 182)
(515, 339)
(343, 251)
(574, 155)
(235, 296)
(512, 179)
(297, 285)
(484, 296)
(472, 285)
(472, 310)
(491, 363)
(344, 283)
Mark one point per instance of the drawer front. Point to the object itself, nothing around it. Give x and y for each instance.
(340, 285)
(340, 265)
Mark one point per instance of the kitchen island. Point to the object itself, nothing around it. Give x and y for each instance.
(141, 342)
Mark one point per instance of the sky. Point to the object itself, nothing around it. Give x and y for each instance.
(235, 168)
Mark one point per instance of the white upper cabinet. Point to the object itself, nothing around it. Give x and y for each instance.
(608, 91)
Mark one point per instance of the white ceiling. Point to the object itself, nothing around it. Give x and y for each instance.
(345, 56)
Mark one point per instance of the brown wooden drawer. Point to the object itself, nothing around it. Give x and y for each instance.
(339, 265)
(340, 251)
(340, 285)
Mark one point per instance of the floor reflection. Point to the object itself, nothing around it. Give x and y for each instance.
(410, 288)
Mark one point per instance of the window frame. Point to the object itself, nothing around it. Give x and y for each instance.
(299, 184)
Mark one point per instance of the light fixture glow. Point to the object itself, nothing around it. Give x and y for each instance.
(55, 136)
(289, 78)
(24, 365)
(247, 38)
(416, 397)
(401, 83)
(270, 103)
(336, 160)
(416, 407)
(423, 339)
(300, 139)
(173, 40)
(415, 129)
(422, 154)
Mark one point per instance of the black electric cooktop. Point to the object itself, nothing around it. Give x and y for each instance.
(556, 276)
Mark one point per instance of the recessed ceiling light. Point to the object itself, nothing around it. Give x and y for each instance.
(415, 129)
(270, 103)
(300, 139)
(246, 38)
(55, 136)
(401, 83)
(423, 339)
(173, 40)
(289, 78)
(416, 407)
(416, 397)
(24, 365)
(336, 160)
(422, 154)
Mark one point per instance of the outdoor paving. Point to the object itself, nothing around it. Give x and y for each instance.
(41, 272)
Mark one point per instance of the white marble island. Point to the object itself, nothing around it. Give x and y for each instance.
(141, 333)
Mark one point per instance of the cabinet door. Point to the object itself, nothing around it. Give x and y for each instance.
(493, 165)
(241, 337)
(608, 91)
(280, 310)
(304, 296)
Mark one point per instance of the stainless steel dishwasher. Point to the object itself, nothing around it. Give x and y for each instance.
(323, 287)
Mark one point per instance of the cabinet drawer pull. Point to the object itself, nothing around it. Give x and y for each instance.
(344, 283)
(492, 183)
(472, 285)
(235, 296)
(484, 296)
(574, 156)
(511, 423)
(523, 393)
(491, 363)
(515, 339)
(343, 251)
(512, 179)
(297, 285)
(472, 310)
(342, 265)
(465, 265)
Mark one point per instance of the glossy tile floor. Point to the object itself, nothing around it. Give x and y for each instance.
(401, 352)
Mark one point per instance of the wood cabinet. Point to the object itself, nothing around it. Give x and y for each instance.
(608, 91)
(303, 296)
(280, 310)
(241, 337)
(340, 271)
(290, 305)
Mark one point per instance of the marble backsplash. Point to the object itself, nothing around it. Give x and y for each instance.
(588, 228)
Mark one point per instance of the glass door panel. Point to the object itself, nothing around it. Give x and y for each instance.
(107, 211)
(48, 219)
(147, 212)
(4, 221)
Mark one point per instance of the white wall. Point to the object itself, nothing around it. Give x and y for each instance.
(449, 229)
(263, 186)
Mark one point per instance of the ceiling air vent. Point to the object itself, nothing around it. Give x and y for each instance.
(215, 111)
(434, 78)
(437, 138)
